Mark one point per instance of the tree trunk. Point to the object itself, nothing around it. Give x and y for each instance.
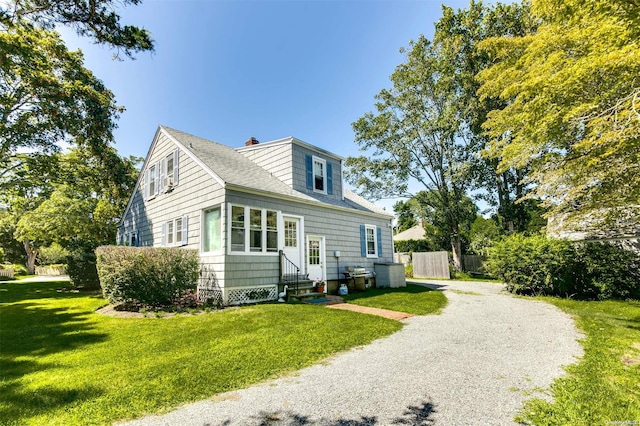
(456, 249)
(31, 258)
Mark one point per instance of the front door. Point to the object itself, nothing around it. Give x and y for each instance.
(292, 243)
(315, 258)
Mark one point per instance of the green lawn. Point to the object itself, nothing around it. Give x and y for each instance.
(412, 299)
(604, 387)
(61, 363)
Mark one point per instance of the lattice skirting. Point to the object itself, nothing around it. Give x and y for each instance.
(210, 296)
(239, 296)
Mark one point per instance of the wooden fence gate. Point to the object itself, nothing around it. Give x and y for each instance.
(431, 265)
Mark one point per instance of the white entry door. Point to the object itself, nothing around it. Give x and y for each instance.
(292, 244)
(315, 258)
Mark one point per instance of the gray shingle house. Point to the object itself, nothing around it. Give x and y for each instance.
(247, 209)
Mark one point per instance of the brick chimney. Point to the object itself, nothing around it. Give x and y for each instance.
(251, 141)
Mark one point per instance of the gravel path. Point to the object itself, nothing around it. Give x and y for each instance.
(474, 364)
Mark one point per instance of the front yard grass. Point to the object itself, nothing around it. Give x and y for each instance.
(412, 299)
(604, 386)
(62, 363)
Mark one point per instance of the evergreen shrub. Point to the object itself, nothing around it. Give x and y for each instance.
(538, 265)
(147, 275)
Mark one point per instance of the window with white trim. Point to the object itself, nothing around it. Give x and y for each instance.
(371, 241)
(212, 236)
(152, 181)
(175, 232)
(162, 176)
(258, 234)
(319, 175)
(131, 239)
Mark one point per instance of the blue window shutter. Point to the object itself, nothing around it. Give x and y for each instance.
(379, 231)
(309, 169)
(329, 179)
(138, 238)
(363, 241)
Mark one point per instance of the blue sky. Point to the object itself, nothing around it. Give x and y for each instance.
(229, 70)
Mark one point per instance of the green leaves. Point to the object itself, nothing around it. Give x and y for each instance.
(96, 19)
(48, 97)
(571, 113)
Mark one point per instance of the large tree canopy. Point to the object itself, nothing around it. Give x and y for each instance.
(47, 97)
(96, 19)
(459, 34)
(572, 113)
(413, 137)
(66, 198)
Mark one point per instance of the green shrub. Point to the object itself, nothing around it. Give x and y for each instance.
(81, 266)
(408, 270)
(52, 255)
(1, 255)
(147, 275)
(532, 265)
(407, 246)
(607, 271)
(538, 265)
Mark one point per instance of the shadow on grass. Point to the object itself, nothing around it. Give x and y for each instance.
(20, 403)
(30, 328)
(418, 415)
(373, 292)
(16, 291)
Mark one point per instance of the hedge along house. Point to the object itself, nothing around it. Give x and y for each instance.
(255, 214)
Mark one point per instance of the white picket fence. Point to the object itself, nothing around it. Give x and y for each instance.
(6, 273)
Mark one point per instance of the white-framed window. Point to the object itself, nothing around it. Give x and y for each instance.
(319, 175)
(152, 181)
(175, 232)
(170, 170)
(370, 241)
(131, 239)
(253, 230)
(161, 176)
(212, 230)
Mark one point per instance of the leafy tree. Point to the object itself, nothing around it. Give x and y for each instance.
(413, 138)
(459, 34)
(78, 204)
(430, 208)
(95, 19)
(47, 97)
(406, 215)
(482, 235)
(571, 113)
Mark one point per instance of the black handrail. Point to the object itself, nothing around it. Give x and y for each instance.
(288, 269)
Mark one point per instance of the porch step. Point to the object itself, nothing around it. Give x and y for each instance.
(305, 295)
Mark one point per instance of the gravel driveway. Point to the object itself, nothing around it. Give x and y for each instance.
(474, 364)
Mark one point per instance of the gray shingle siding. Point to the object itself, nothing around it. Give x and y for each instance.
(196, 191)
(275, 159)
(340, 229)
(267, 177)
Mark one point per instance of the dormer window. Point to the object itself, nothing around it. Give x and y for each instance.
(319, 174)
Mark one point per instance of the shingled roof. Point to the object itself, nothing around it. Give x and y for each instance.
(235, 171)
